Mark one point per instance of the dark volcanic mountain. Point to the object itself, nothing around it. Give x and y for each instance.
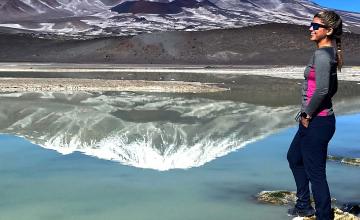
(161, 8)
(271, 44)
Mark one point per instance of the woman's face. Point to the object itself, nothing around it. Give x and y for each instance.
(318, 33)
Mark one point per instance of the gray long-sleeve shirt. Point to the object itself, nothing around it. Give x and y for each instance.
(320, 83)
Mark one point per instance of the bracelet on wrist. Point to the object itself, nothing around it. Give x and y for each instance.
(306, 116)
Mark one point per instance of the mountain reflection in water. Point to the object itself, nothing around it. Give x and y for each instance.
(142, 130)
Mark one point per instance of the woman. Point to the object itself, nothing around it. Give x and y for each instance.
(308, 150)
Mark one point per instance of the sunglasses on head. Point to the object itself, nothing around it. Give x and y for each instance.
(316, 26)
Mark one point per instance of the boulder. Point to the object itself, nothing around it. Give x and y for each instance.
(276, 197)
(344, 160)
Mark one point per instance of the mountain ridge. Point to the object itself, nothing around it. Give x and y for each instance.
(160, 8)
(99, 17)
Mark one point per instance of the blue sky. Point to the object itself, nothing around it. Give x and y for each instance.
(347, 5)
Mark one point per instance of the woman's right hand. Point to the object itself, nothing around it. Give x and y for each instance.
(305, 122)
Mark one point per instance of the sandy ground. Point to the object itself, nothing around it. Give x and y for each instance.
(91, 85)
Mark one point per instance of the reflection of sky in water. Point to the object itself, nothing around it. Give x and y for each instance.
(41, 184)
(347, 143)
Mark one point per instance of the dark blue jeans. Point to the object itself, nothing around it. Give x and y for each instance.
(307, 159)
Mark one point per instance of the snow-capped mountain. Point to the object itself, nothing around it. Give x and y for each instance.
(121, 17)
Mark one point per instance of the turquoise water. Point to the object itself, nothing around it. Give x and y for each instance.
(38, 183)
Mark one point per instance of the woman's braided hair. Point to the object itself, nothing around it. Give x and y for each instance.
(333, 20)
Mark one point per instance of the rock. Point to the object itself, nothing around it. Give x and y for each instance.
(280, 197)
(352, 207)
(276, 197)
(339, 215)
(348, 161)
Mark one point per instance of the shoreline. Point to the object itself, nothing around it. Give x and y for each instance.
(348, 73)
(250, 84)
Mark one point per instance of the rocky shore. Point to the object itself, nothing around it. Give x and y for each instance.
(284, 197)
